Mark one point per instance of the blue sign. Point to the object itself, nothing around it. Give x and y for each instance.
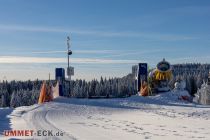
(142, 74)
(60, 77)
(60, 74)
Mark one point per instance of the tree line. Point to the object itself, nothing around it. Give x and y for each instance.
(20, 93)
(193, 73)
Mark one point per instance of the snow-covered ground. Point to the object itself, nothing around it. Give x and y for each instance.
(156, 117)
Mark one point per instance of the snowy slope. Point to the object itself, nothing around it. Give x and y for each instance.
(156, 117)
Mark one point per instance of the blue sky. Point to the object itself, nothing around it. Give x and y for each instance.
(107, 36)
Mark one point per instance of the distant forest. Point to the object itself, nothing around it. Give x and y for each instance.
(19, 93)
(193, 74)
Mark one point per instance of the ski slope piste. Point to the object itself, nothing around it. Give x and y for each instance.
(158, 117)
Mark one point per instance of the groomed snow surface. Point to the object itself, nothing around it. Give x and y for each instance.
(157, 117)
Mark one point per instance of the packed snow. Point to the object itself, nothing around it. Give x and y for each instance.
(158, 117)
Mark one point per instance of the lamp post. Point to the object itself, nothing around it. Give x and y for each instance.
(69, 52)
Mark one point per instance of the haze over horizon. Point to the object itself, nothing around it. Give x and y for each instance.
(107, 37)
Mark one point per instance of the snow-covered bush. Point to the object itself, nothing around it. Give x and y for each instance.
(203, 94)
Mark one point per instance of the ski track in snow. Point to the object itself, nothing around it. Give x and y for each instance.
(112, 119)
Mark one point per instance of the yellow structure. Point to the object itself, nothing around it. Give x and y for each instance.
(160, 75)
(163, 71)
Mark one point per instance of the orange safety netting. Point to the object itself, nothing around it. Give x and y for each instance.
(144, 89)
(45, 93)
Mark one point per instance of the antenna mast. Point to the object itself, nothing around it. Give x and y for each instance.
(69, 52)
(69, 69)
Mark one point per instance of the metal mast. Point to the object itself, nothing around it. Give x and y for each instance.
(69, 52)
(68, 48)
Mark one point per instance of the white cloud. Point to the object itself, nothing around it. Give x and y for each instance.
(78, 51)
(133, 52)
(96, 51)
(22, 59)
(146, 35)
(27, 28)
(48, 52)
